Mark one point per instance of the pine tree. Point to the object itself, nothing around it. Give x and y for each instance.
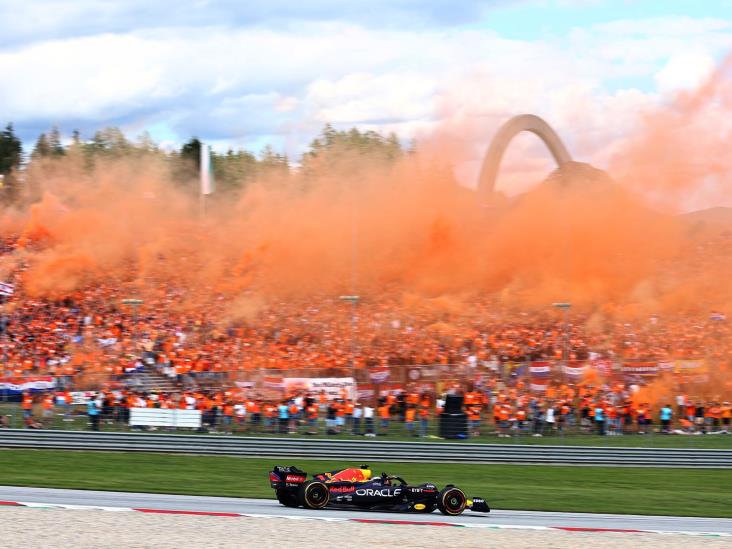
(11, 150)
(11, 155)
(54, 143)
(42, 148)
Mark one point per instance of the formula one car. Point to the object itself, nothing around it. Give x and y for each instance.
(356, 488)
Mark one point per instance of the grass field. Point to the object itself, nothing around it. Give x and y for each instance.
(689, 492)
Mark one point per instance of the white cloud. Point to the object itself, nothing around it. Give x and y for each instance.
(684, 71)
(250, 84)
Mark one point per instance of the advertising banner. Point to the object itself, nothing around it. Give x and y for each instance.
(379, 376)
(690, 366)
(333, 386)
(640, 368)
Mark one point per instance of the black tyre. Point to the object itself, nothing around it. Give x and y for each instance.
(313, 495)
(451, 501)
(287, 498)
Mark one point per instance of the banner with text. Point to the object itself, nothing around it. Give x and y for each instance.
(333, 386)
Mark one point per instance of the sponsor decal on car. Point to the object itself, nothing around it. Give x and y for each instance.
(384, 492)
(295, 478)
(342, 489)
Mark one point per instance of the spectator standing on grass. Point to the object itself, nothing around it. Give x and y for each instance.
(384, 414)
(340, 407)
(348, 413)
(228, 417)
(410, 415)
(665, 416)
(549, 419)
(726, 415)
(330, 418)
(48, 403)
(690, 411)
(283, 415)
(357, 414)
(294, 411)
(368, 418)
(681, 402)
(27, 405)
(424, 417)
(254, 408)
(240, 413)
(270, 417)
(641, 417)
(600, 420)
(312, 411)
(713, 414)
(699, 417)
(537, 419)
(92, 410)
(63, 403)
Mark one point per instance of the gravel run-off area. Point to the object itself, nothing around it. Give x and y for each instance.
(29, 528)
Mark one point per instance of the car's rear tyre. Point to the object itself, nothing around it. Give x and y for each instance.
(451, 501)
(313, 495)
(287, 498)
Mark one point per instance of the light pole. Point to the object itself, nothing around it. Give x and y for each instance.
(353, 299)
(564, 306)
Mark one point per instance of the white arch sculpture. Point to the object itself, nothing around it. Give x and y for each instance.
(494, 154)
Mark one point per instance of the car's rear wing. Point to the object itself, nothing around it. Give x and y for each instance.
(286, 477)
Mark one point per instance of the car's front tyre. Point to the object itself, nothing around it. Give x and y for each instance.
(313, 495)
(451, 501)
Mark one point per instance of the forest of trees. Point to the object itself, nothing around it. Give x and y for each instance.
(330, 152)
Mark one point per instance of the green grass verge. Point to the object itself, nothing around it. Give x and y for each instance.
(688, 492)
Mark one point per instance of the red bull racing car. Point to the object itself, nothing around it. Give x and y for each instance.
(356, 488)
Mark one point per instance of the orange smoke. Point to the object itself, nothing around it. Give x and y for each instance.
(407, 228)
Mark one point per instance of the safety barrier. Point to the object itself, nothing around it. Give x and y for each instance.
(165, 417)
(366, 450)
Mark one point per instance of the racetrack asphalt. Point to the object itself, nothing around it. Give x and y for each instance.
(265, 507)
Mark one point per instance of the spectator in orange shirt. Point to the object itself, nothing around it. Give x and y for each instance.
(384, 415)
(726, 416)
(424, 417)
(27, 405)
(409, 417)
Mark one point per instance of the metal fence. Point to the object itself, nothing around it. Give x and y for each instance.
(368, 450)
(117, 422)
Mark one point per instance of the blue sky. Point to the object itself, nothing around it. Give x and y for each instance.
(244, 74)
(529, 20)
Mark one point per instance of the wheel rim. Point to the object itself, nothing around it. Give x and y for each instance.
(454, 501)
(316, 496)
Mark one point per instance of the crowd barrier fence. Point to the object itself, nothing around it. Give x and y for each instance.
(291, 449)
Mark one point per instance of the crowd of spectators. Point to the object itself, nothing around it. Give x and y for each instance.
(89, 338)
(505, 412)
